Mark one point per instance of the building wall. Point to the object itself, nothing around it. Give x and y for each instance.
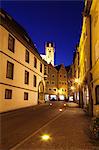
(94, 12)
(17, 84)
(51, 82)
(62, 82)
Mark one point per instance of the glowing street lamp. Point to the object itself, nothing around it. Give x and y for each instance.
(72, 87)
(77, 80)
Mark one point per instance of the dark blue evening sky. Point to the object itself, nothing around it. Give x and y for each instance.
(56, 21)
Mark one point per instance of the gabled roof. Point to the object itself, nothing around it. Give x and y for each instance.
(67, 68)
(58, 67)
(17, 30)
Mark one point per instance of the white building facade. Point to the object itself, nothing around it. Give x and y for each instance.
(21, 67)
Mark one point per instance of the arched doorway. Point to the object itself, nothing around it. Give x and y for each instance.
(41, 92)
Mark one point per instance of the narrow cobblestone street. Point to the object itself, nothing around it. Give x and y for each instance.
(68, 131)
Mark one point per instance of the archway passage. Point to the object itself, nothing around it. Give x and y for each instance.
(41, 92)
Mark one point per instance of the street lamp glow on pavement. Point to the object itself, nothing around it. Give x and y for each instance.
(64, 104)
(45, 137)
(60, 109)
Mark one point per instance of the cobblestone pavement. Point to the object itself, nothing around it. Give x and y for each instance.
(68, 131)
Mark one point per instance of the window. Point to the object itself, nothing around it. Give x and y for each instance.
(54, 89)
(10, 68)
(11, 43)
(53, 75)
(64, 76)
(97, 94)
(45, 69)
(26, 77)
(35, 62)
(25, 96)
(49, 89)
(53, 82)
(60, 75)
(8, 94)
(40, 67)
(35, 81)
(47, 82)
(27, 56)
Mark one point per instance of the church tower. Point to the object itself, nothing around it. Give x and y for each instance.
(49, 50)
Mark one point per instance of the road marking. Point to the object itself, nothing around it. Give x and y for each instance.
(26, 139)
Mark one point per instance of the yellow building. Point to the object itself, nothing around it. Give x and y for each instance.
(51, 83)
(84, 62)
(75, 75)
(89, 58)
(21, 67)
(94, 12)
(56, 83)
(62, 82)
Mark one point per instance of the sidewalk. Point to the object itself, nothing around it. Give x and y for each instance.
(69, 131)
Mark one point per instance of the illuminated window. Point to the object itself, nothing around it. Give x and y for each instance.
(35, 62)
(8, 94)
(25, 96)
(10, 68)
(26, 77)
(27, 56)
(11, 43)
(35, 81)
(97, 94)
